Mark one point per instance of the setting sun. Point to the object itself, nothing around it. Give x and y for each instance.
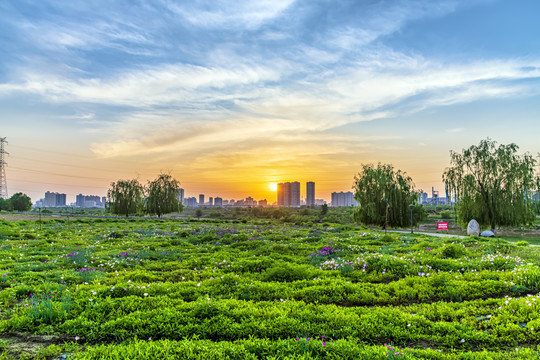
(273, 186)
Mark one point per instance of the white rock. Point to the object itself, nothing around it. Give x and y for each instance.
(473, 228)
(487, 233)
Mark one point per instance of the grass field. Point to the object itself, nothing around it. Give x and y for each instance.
(149, 289)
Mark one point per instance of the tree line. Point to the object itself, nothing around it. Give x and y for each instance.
(159, 196)
(491, 184)
(17, 202)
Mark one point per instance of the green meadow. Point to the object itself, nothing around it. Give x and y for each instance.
(217, 289)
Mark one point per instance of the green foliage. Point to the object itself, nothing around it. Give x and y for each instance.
(381, 189)
(447, 215)
(493, 185)
(162, 195)
(91, 275)
(5, 204)
(207, 289)
(125, 197)
(324, 209)
(20, 202)
(453, 251)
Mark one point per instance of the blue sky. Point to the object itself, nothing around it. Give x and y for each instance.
(230, 96)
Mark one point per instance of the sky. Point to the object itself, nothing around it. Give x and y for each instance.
(232, 96)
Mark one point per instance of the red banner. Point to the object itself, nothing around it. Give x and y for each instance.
(442, 226)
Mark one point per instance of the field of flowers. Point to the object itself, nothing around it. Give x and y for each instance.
(149, 289)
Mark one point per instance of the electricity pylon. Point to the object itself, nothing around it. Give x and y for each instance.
(3, 163)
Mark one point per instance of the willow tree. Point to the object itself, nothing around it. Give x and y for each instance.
(125, 197)
(382, 187)
(162, 195)
(492, 184)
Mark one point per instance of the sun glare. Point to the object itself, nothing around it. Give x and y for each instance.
(273, 186)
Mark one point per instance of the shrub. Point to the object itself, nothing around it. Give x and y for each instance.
(285, 272)
(453, 251)
(447, 215)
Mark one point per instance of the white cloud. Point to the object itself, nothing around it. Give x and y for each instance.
(226, 13)
(170, 83)
(455, 130)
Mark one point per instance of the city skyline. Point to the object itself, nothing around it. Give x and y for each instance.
(287, 195)
(234, 98)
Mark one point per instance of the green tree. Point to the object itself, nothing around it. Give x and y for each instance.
(324, 209)
(162, 195)
(492, 184)
(125, 197)
(20, 202)
(382, 186)
(5, 204)
(198, 213)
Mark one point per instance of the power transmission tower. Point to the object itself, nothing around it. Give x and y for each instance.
(3, 182)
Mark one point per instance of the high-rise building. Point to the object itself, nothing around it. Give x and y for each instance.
(180, 195)
(89, 201)
(218, 201)
(54, 199)
(211, 201)
(284, 194)
(310, 193)
(79, 200)
(190, 202)
(295, 194)
(288, 194)
(201, 199)
(343, 199)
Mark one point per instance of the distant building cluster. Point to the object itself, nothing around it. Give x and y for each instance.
(435, 199)
(54, 199)
(342, 199)
(220, 202)
(90, 201)
(288, 195)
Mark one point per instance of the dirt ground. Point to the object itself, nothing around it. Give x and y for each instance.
(16, 217)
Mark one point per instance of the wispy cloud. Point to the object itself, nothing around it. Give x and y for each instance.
(223, 13)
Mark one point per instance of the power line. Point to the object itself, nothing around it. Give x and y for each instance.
(57, 184)
(58, 174)
(67, 154)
